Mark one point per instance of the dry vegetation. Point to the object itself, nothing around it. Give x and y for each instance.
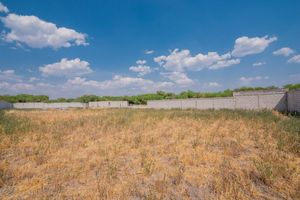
(148, 154)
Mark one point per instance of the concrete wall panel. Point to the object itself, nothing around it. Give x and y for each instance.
(293, 99)
(158, 104)
(204, 104)
(173, 103)
(273, 101)
(108, 104)
(188, 103)
(278, 100)
(246, 102)
(48, 105)
(224, 103)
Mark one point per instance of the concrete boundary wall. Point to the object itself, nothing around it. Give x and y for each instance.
(280, 100)
(100, 104)
(248, 101)
(222, 103)
(254, 100)
(199, 103)
(33, 105)
(108, 104)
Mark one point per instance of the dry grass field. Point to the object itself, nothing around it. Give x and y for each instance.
(148, 154)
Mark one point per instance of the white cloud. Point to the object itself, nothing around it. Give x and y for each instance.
(3, 8)
(182, 60)
(31, 88)
(121, 81)
(13, 87)
(10, 83)
(4, 85)
(117, 82)
(294, 78)
(8, 72)
(225, 63)
(286, 51)
(33, 79)
(9, 75)
(124, 81)
(149, 51)
(247, 46)
(250, 79)
(141, 62)
(210, 85)
(179, 78)
(37, 33)
(294, 59)
(214, 84)
(258, 64)
(66, 67)
(141, 68)
(73, 87)
(161, 85)
(21, 86)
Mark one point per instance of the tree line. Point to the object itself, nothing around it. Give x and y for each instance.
(137, 99)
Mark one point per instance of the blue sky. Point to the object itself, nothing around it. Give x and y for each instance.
(68, 48)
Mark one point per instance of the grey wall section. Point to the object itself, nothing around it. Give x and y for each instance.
(5, 105)
(276, 100)
(67, 105)
(100, 104)
(293, 100)
(158, 104)
(204, 103)
(273, 101)
(188, 103)
(280, 100)
(246, 102)
(164, 104)
(108, 104)
(249, 101)
(224, 103)
(34, 105)
(173, 104)
(260, 92)
(29, 105)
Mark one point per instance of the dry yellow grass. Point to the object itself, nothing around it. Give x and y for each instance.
(147, 154)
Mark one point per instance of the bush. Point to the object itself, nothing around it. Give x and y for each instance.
(292, 86)
(24, 98)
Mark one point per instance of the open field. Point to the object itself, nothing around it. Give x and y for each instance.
(149, 154)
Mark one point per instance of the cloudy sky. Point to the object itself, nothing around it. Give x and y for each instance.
(67, 48)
